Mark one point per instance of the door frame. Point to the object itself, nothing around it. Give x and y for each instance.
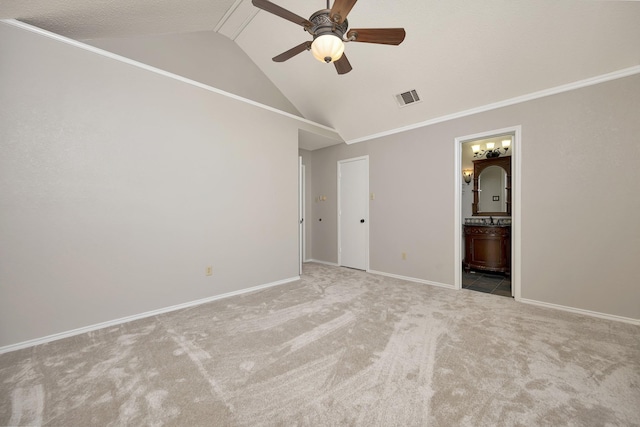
(339, 201)
(304, 213)
(516, 199)
(301, 213)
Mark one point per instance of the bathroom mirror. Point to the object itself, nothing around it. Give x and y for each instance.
(492, 187)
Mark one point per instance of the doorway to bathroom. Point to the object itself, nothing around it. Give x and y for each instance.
(487, 214)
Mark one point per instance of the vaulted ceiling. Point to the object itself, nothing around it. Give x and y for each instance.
(458, 54)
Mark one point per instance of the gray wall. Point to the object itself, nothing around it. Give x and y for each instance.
(206, 57)
(580, 156)
(119, 186)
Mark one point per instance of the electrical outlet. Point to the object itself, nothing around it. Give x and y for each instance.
(209, 270)
(404, 255)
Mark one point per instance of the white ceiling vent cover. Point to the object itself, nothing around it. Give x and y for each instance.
(406, 98)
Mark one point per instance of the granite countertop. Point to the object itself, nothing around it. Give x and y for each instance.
(489, 225)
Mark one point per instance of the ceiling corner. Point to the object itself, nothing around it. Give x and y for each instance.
(236, 19)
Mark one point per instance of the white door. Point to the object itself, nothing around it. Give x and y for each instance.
(353, 213)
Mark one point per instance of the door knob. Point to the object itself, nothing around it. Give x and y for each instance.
(362, 220)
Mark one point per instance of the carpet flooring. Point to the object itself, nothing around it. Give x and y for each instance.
(339, 347)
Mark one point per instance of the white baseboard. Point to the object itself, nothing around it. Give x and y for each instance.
(581, 311)
(412, 279)
(110, 323)
(78, 331)
(323, 262)
(524, 300)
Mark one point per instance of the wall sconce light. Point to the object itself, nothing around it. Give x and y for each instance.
(490, 151)
(467, 174)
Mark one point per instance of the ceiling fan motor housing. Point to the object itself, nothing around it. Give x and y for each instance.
(322, 25)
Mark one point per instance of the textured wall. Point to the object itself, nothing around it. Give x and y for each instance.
(119, 186)
(580, 155)
(205, 56)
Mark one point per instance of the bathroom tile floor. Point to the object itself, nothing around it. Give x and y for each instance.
(490, 283)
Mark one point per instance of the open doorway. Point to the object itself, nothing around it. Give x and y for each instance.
(487, 196)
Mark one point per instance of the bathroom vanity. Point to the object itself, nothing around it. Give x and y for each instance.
(487, 248)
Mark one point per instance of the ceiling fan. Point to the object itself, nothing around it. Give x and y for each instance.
(329, 30)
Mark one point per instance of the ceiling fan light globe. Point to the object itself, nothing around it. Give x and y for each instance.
(327, 48)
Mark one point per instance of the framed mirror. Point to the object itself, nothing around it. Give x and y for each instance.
(492, 187)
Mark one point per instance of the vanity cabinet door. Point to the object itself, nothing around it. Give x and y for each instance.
(487, 248)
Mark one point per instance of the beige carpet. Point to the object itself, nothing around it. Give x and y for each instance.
(339, 347)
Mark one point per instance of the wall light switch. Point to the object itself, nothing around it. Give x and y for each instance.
(209, 270)
(373, 196)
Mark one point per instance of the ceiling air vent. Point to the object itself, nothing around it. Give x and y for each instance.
(406, 98)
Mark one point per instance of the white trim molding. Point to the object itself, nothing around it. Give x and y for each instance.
(625, 72)
(317, 261)
(584, 312)
(115, 322)
(516, 183)
(107, 54)
(573, 310)
(412, 279)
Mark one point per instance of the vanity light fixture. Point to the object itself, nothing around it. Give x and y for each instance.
(467, 174)
(490, 151)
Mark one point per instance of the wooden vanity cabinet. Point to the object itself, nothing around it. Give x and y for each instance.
(487, 248)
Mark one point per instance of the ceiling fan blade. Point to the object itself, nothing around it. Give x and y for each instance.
(393, 36)
(292, 52)
(340, 10)
(342, 65)
(281, 12)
